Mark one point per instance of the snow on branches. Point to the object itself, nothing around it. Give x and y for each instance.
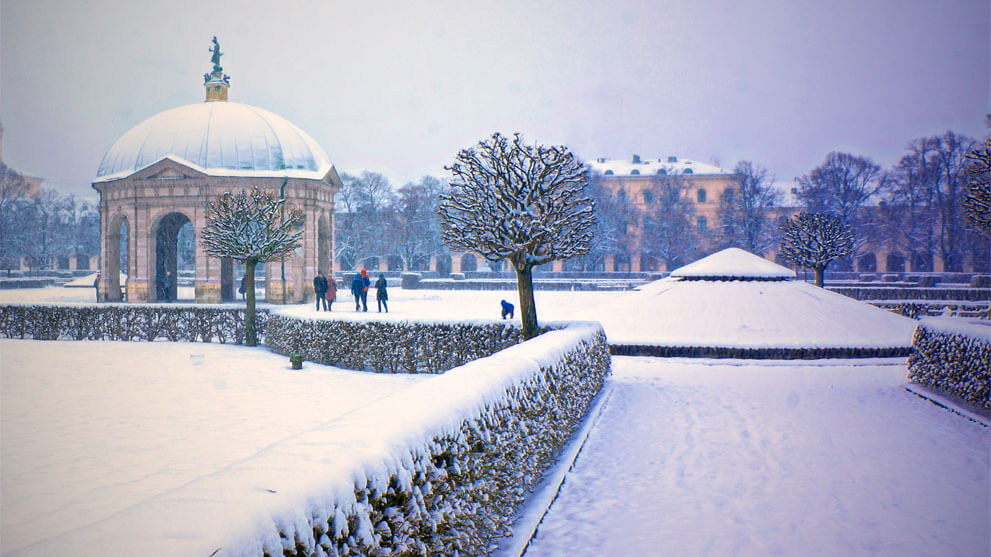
(525, 203)
(977, 203)
(251, 226)
(813, 240)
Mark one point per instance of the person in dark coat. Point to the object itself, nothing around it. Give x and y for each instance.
(381, 294)
(331, 291)
(165, 287)
(359, 287)
(242, 289)
(320, 289)
(96, 285)
(507, 309)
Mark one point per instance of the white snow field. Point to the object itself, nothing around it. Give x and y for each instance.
(734, 457)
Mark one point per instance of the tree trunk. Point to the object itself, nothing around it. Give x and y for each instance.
(528, 309)
(819, 271)
(250, 330)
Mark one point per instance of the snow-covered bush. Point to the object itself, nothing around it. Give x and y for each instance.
(409, 280)
(916, 309)
(395, 347)
(125, 322)
(954, 356)
(913, 293)
(452, 489)
(759, 353)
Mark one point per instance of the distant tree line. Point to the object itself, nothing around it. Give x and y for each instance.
(45, 230)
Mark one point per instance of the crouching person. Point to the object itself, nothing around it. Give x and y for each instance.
(507, 309)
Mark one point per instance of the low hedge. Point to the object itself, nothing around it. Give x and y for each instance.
(394, 347)
(953, 356)
(755, 353)
(913, 293)
(456, 491)
(125, 322)
(931, 308)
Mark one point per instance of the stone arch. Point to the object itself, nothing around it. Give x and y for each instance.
(469, 263)
(867, 263)
(922, 262)
(442, 264)
(895, 263)
(394, 263)
(165, 251)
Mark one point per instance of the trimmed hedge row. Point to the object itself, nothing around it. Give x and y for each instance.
(953, 362)
(916, 293)
(506, 284)
(931, 308)
(125, 322)
(457, 494)
(394, 347)
(755, 353)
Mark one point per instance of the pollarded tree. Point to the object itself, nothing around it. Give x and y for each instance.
(977, 203)
(523, 203)
(251, 227)
(813, 240)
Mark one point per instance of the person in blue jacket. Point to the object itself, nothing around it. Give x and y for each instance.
(507, 309)
(359, 287)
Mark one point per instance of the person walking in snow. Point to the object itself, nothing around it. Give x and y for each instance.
(320, 289)
(507, 309)
(381, 294)
(359, 287)
(243, 289)
(331, 291)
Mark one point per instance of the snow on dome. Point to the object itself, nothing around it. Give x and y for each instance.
(218, 138)
(733, 263)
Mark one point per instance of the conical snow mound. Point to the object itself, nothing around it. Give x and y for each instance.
(734, 300)
(731, 264)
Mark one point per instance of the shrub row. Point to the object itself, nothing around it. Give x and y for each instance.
(755, 353)
(125, 322)
(11, 283)
(510, 284)
(456, 493)
(393, 347)
(929, 308)
(918, 293)
(954, 359)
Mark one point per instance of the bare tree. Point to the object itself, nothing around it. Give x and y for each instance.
(813, 240)
(745, 209)
(977, 203)
(844, 185)
(524, 203)
(13, 189)
(416, 230)
(668, 232)
(367, 202)
(252, 228)
(611, 231)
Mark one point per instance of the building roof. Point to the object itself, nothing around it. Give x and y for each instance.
(218, 138)
(665, 166)
(733, 263)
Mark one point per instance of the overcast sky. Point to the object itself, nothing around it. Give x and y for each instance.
(400, 87)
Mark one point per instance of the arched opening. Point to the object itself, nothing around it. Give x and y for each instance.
(621, 263)
(443, 265)
(117, 258)
(497, 266)
(468, 263)
(867, 263)
(895, 263)
(700, 195)
(420, 263)
(175, 257)
(394, 263)
(922, 262)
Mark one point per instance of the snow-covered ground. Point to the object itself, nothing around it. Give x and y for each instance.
(688, 456)
(92, 429)
(710, 457)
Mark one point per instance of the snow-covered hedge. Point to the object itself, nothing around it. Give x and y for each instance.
(954, 356)
(125, 322)
(760, 353)
(963, 293)
(454, 460)
(931, 308)
(394, 347)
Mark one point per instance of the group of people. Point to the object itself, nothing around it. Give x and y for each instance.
(326, 291)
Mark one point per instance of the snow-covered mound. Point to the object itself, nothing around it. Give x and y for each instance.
(699, 305)
(733, 263)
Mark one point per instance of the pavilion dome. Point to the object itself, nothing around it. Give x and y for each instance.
(218, 138)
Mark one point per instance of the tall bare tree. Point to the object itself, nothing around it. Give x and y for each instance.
(523, 203)
(745, 209)
(416, 229)
(977, 203)
(668, 232)
(364, 213)
(13, 189)
(251, 227)
(813, 240)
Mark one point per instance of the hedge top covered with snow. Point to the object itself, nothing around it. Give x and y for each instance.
(973, 328)
(733, 263)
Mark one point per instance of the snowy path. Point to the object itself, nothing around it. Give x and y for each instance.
(707, 457)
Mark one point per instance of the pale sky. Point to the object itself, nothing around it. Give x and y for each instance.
(400, 87)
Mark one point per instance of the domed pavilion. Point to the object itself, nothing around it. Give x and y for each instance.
(162, 173)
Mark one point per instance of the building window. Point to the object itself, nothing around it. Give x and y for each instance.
(608, 172)
(621, 195)
(688, 171)
(662, 171)
(648, 197)
(634, 172)
(700, 195)
(703, 225)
